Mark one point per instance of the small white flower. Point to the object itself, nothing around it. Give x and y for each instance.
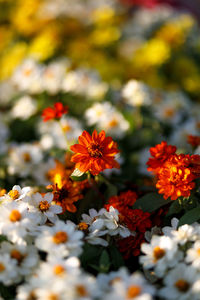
(62, 239)
(17, 193)
(16, 222)
(112, 223)
(8, 269)
(42, 205)
(179, 283)
(161, 254)
(136, 93)
(193, 255)
(133, 287)
(26, 258)
(23, 158)
(24, 108)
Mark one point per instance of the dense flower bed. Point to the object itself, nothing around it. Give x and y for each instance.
(99, 151)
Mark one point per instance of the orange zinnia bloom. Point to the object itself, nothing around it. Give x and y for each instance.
(160, 154)
(94, 153)
(193, 140)
(50, 113)
(175, 178)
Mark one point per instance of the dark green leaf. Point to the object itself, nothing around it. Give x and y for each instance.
(150, 202)
(175, 208)
(104, 262)
(190, 217)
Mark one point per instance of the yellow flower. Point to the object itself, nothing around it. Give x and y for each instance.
(11, 59)
(175, 32)
(44, 45)
(105, 36)
(152, 54)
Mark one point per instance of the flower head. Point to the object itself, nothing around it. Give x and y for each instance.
(54, 113)
(160, 154)
(94, 153)
(175, 178)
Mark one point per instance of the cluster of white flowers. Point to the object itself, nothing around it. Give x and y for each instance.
(29, 222)
(173, 261)
(34, 78)
(105, 116)
(101, 224)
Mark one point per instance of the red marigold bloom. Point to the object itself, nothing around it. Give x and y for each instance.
(175, 178)
(94, 153)
(195, 165)
(55, 112)
(193, 140)
(160, 153)
(127, 198)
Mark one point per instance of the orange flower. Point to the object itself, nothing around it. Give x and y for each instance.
(175, 178)
(160, 153)
(54, 113)
(94, 153)
(66, 191)
(195, 165)
(193, 140)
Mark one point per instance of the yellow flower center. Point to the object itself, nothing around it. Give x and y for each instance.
(13, 194)
(60, 237)
(198, 251)
(182, 285)
(169, 112)
(2, 267)
(95, 150)
(17, 255)
(81, 290)
(66, 128)
(15, 215)
(44, 205)
(83, 226)
(53, 297)
(26, 157)
(133, 291)
(59, 270)
(2, 192)
(113, 123)
(158, 253)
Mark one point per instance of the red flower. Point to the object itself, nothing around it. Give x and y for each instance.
(160, 154)
(120, 202)
(54, 113)
(94, 153)
(193, 140)
(175, 178)
(130, 246)
(195, 165)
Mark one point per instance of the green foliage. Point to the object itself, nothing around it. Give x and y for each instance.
(190, 217)
(150, 202)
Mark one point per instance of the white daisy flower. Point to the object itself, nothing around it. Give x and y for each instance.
(193, 255)
(16, 222)
(133, 287)
(53, 75)
(27, 76)
(56, 267)
(183, 234)
(26, 258)
(113, 224)
(179, 283)
(136, 93)
(44, 208)
(161, 254)
(24, 108)
(8, 269)
(23, 158)
(62, 239)
(17, 193)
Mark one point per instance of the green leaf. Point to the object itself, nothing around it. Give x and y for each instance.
(150, 202)
(116, 257)
(111, 190)
(104, 262)
(77, 175)
(190, 217)
(175, 208)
